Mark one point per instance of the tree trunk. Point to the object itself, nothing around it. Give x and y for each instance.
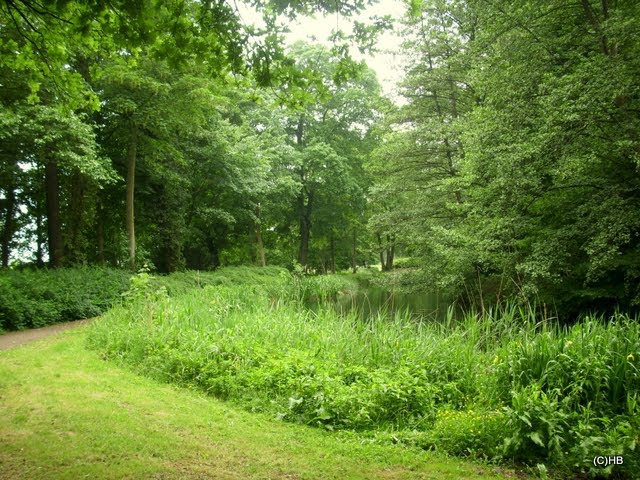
(259, 243)
(74, 246)
(382, 252)
(304, 237)
(100, 232)
(304, 211)
(40, 237)
(354, 266)
(7, 231)
(391, 248)
(53, 214)
(260, 246)
(305, 226)
(332, 253)
(215, 255)
(131, 178)
(300, 131)
(54, 228)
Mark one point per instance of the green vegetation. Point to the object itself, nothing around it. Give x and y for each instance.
(183, 282)
(172, 134)
(500, 386)
(176, 137)
(31, 299)
(37, 298)
(512, 168)
(66, 414)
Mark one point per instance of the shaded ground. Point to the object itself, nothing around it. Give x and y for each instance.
(13, 339)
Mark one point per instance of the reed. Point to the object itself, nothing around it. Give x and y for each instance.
(537, 392)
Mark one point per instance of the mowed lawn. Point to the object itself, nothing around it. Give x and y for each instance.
(67, 414)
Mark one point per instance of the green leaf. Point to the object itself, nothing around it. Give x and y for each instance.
(537, 439)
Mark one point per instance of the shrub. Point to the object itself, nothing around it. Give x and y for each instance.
(469, 433)
(36, 298)
(406, 262)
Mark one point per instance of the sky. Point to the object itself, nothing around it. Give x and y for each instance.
(387, 62)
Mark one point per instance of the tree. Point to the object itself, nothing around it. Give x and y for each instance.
(418, 199)
(330, 136)
(49, 141)
(552, 148)
(63, 51)
(512, 162)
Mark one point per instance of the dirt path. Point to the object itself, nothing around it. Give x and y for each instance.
(13, 339)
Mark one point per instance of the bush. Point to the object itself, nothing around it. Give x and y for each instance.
(469, 433)
(407, 262)
(272, 278)
(36, 298)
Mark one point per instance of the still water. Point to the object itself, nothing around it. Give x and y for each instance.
(373, 301)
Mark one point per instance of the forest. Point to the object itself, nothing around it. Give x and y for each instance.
(177, 137)
(211, 189)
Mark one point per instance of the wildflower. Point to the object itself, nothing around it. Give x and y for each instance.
(630, 357)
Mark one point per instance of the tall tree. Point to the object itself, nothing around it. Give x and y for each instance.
(418, 199)
(553, 147)
(65, 50)
(512, 163)
(329, 132)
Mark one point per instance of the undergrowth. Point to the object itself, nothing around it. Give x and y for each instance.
(36, 298)
(503, 386)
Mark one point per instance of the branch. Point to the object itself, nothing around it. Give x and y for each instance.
(44, 11)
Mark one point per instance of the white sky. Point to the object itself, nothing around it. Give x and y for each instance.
(387, 62)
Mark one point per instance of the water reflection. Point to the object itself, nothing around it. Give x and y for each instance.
(374, 301)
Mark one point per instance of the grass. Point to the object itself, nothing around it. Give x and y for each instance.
(36, 298)
(505, 385)
(67, 414)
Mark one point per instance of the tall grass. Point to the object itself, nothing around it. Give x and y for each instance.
(502, 385)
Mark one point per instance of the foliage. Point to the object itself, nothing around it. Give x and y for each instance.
(273, 279)
(499, 385)
(31, 299)
(325, 287)
(406, 262)
(141, 131)
(162, 100)
(510, 171)
(460, 432)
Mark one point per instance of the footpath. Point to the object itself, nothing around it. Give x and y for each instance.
(14, 339)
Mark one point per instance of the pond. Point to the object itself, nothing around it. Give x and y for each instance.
(372, 301)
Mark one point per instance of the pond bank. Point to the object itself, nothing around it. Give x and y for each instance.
(68, 414)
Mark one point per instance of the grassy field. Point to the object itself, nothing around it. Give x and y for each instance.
(67, 414)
